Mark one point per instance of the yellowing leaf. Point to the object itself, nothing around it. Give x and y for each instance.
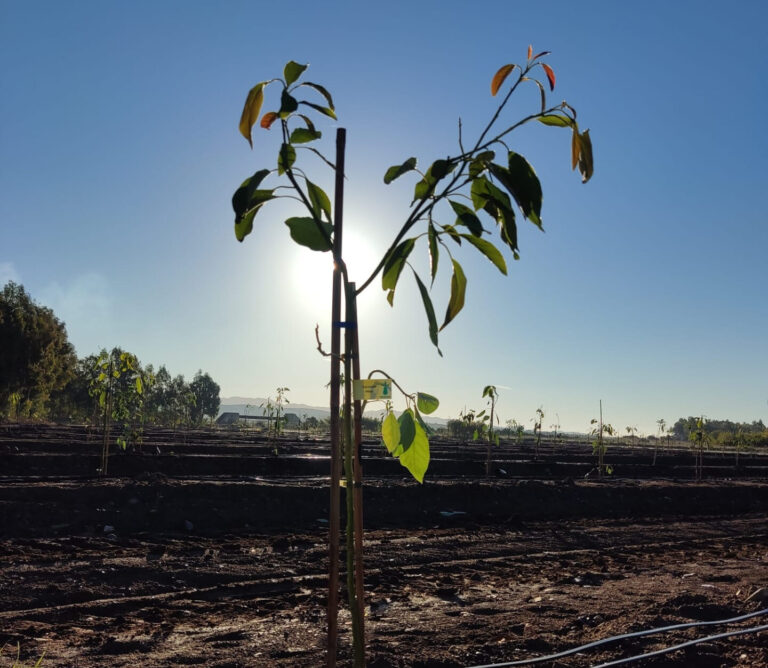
(500, 77)
(416, 458)
(268, 118)
(251, 110)
(550, 75)
(390, 432)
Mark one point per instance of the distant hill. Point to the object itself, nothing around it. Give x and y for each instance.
(252, 406)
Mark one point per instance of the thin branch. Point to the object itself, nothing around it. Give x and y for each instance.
(394, 382)
(320, 346)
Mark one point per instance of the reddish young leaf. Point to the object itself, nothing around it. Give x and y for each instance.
(530, 51)
(268, 118)
(543, 53)
(550, 75)
(500, 76)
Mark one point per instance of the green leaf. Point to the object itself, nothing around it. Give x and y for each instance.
(426, 402)
(322, 110)
(434, 253)
(467, 217)
(304, 135)
(396, 171)
(497, 204)
(427, 429)
(251, 110)
(288, 104)
(489, 250)
(285, 158)
(322, 90)
(416, 457)
(394, 265)
(390, 432)
(308, 121)
(480, 163)
(458, 290)
(247, 195)
(305, 232)
(139, 386)
(244, 226)
(438, 170)
(407, 429)
(452, 233)
(430, 311)
(524, 186)
(556, 120)
(292, 71)
(586, 167)
(319, 200)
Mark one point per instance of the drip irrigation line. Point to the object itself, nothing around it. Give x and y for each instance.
(666, 650)
(638, 634)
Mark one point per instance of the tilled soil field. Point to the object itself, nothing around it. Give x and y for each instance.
(160, 567)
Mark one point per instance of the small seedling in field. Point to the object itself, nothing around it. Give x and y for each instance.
(517, 429)
(700, 438)
(494, 189)
(490, 392)
(599, 447)
(274, 411)
(537, 421)
(662, 423)
(632, 431)
(556, 428)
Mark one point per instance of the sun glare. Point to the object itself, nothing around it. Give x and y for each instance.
(312, 272)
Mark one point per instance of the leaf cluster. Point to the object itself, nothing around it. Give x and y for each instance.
(298, 132)
(478, 187)
(407, 437)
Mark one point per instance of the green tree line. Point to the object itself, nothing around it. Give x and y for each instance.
(42, 378)
(723, 432)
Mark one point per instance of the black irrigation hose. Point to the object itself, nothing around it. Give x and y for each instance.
(638, 634)
(666, 650)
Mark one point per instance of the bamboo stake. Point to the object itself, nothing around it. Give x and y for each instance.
(358, 480)
(334, 521)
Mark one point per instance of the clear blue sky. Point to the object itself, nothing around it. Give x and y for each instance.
(119, 153)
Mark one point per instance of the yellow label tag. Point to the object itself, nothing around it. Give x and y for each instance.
(372, 390)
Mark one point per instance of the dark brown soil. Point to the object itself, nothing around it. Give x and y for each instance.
(169, 566)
